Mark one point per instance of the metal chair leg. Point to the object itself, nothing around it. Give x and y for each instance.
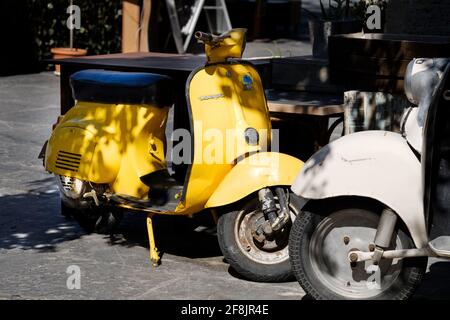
(154, 253)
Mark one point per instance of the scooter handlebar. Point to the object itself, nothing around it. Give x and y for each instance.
(208, 37)
(203, 36)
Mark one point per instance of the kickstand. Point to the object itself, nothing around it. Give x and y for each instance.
(154, 254)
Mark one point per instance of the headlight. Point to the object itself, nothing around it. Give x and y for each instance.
(408, 81)
(416, 77)
(421, 78)
(251, 136)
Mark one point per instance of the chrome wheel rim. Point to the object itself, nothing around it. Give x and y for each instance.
(271, 251)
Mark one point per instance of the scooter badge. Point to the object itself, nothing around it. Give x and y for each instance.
(247, 81)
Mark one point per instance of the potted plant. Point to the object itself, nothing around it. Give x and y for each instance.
(336, 18)
(61, 53)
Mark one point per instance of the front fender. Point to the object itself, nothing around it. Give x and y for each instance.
(374, 164)
(255, 172)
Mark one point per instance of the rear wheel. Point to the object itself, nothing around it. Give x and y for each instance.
(101, 219)
(320, 241)
(66, 211)
(256, 259)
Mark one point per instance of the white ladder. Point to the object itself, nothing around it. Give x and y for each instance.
(222, 21)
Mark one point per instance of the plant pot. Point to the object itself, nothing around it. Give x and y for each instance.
(62, 53)
(320, 30)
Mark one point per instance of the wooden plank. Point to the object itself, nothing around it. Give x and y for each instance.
(377, 62)
(130, 25)
(147, 60)
(294, 108)
(366, 82)
(371, 65)
(389, 46)
(303, 103)
(140, 60)
(143, 36)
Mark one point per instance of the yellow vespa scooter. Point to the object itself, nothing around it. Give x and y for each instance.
(125, 146)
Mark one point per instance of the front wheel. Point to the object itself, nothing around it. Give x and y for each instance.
(256, 259)
(320, 241)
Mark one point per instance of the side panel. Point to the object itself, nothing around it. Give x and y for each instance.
(111, 144)
(70, 151)
(254, 173)
(374, 164)
(224, 103)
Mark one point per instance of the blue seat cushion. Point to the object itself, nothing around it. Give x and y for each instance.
(105, 86)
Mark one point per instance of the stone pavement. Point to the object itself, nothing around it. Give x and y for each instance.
(37, 244)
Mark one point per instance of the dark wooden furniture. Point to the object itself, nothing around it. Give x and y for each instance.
(313, 111)
(176, 66)
(377, 62)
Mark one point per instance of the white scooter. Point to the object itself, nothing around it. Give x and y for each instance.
(373, 200)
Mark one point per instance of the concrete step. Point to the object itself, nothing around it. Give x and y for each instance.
(303, 73)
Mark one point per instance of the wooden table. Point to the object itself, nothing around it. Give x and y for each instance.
(377, 62)
(312, 110)
(177, 66)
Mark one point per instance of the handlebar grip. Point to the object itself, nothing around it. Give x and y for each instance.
(203, 36)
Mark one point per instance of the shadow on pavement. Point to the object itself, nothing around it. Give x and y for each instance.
(436, 282)
(175, 235)
(32, 220)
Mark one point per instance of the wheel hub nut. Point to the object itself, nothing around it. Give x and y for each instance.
(353, 257)
(346, 240)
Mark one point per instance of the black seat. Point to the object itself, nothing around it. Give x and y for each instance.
(122, 87)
